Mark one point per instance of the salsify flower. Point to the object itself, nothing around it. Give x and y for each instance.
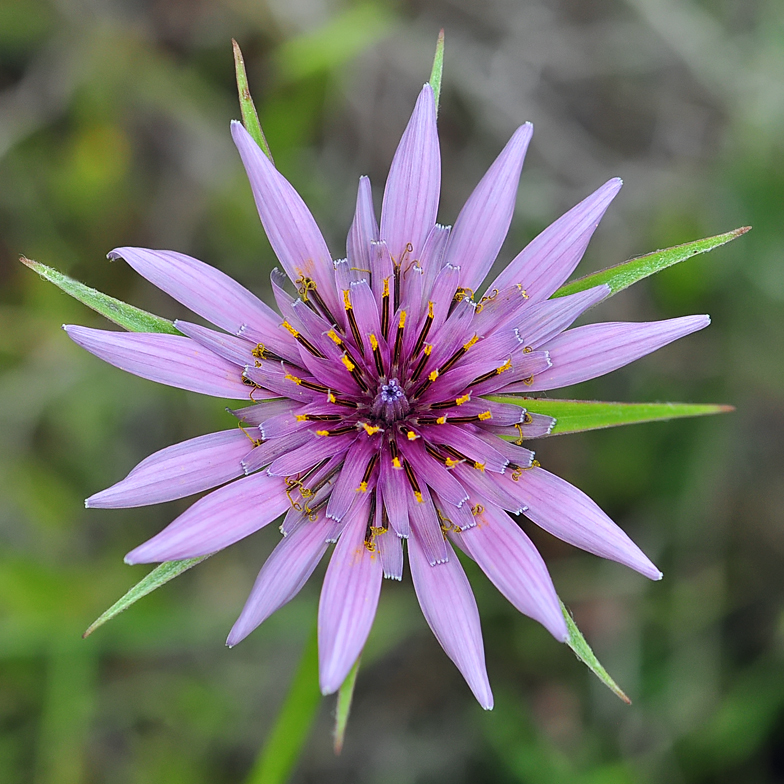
(370, 424)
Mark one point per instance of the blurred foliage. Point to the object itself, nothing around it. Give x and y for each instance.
(114, 130)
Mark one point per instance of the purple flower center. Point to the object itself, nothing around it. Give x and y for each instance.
(391, 403)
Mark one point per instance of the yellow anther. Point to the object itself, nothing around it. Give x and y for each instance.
(371, 429)
(490, 297)
(528, 349)
(396, 462)
(418, 496)
(291, 329)
(385, 292)
(479, 466)
(402, 322)
(486, 415)
(522, 291)
(477, 510)
(464, 399)
(430, 313)
(428, 349)
(322, 432)
(334, 337)
(259, 351)
(289, 377)
(451, 462)
(528, 381)
(346, 300)
(433, 375)
(411, 435)
(348, 363)
(373, 341)
(506, 366)
(254, 441)
(301, 417)
(517, 474)
(441, 420)
(519, 441)
(330, 397)
(471, 342)
(362, 487)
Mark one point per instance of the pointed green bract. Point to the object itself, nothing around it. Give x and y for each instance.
(286, 740)
(250, 118)
(124, 315)
(345, 695)
(155, 579)
(574, 416)
(584, 653)
(623, 275)
(438, 69)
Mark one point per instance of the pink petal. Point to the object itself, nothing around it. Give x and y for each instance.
(425, 522)
(408, 212)
(364, 228)
(281, 578)
(347, 488)
(219, 519)
(235, 350)
(450, 609)
(307, 455)
(348, 602)
(549, 259)
(201, 288)
(167, 359)
(545, 320)
(433, 473)
(512, 563)
(596, 349)
(388, 544)
(464, 441)
(566, 512)
(484, 221)
(394, 489)
(178, 471)
(290, 227)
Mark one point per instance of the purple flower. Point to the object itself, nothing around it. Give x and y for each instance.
(370, 424)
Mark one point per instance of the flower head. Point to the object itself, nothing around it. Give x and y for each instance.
(370, 424)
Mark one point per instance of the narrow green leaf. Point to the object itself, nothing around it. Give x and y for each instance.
(155, 579)
(574, 416)
(623, 275)
(584, 653)
(438, 68)
(345, 695)
(250, 118)
(292, 727)
(122, 314)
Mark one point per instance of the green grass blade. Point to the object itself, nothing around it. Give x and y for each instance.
(623, 275)
(584, 653)
(250, 118)
(155, 579)
(122, 314)
(574, 416)
(345, 695)
(292, 727)
(438, 69)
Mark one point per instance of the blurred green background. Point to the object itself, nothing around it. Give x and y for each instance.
(114, 131)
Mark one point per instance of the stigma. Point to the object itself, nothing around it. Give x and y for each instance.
(390, 403)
